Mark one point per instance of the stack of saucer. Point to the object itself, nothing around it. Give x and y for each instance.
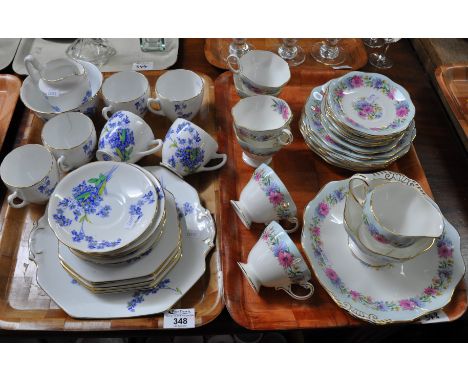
(361, 121)
(106, 215)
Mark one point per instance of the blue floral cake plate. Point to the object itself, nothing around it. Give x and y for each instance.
(198, 233)
(397, 293)
(102, 207)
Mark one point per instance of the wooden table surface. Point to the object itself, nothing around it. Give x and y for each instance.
(437, 144)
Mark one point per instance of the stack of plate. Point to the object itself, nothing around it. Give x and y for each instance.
(361, 121)
(106, 216)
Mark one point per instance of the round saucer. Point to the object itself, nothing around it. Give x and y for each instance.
(397, 293)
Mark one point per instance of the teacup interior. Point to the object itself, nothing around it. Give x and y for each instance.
(259, 113)
(403, 210)
(61, 68)
(67, 130)
(125, 86)
(26, 165)
(265, 68)
(179, 85)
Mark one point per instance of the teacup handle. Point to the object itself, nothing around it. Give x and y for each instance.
(219, 165)
(157, 142)
(105, 112)
(149, 104)
(306, 285)
(294, 221)
(11, 200)
(62, 166)
(360, 178)
(233, 59)
(285, 137)
(33, 67)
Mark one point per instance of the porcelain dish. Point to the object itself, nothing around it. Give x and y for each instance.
(381, 295)
(197, 239)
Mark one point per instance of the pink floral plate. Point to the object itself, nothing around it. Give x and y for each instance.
(396, 293)
(370, 103)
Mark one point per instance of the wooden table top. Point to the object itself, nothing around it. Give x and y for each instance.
(437, 144)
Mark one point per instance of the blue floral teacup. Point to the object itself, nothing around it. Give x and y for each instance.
(126, 138)
(188, 148)
(275, 261)
(127, 90)
(179, 95)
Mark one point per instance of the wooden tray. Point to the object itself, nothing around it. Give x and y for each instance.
(216, 51)
(453, 84)
(9, 92)
(25, 306)
(304, 173)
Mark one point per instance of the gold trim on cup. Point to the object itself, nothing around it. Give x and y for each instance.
(147, 90)
(158, 94)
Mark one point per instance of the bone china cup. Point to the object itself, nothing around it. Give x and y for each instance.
(397, 214)
(179, 94)
(260, 71)
(126, 138)
(188, 148)
(31, 173)
(265, 199)
(127, 90)
(63, 82)
(275, 261)
(71, 138)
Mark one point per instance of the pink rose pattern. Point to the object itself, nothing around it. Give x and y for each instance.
(282, 108)
(439, 282)
(367, 110)
(273, 191)
(284, 255)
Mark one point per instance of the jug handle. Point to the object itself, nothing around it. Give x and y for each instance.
(33, 67)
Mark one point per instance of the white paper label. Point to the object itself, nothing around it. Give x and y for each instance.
(52, 93)
(434, 317)
(179, 318)
(142, 65)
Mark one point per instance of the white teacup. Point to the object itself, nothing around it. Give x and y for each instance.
(31, 173)
(265, 199)
(63, 82)
(71, 138)
(126, 138)
(188, 148)
(127, 90)
(179, 94)
(275, 261)
(260, 72)
(261, 124)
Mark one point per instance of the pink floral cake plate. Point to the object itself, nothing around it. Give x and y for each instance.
(397, 293)
(370, 103)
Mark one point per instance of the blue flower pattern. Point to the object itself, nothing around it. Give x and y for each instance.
(86, 97)
(86, 201)
(188, 151)
(135, 210)
(45, 188)
(118, 137)
(88, 148)
(185, 210)
(140, 105)
(180, 110)
(139, 296)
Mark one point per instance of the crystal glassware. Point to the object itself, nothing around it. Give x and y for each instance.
(328, 52)
(153, 44)
(292, 53)
(373, 42)
(380, 60)
(94, 50)
(239, 47)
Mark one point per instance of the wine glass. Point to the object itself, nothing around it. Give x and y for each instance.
(328, 52)
(380, 60)
(292, 53)
(373, 42)
(94, 50)
(239, 47)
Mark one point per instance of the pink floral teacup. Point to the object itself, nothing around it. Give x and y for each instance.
(275, 261)
(265, 199)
